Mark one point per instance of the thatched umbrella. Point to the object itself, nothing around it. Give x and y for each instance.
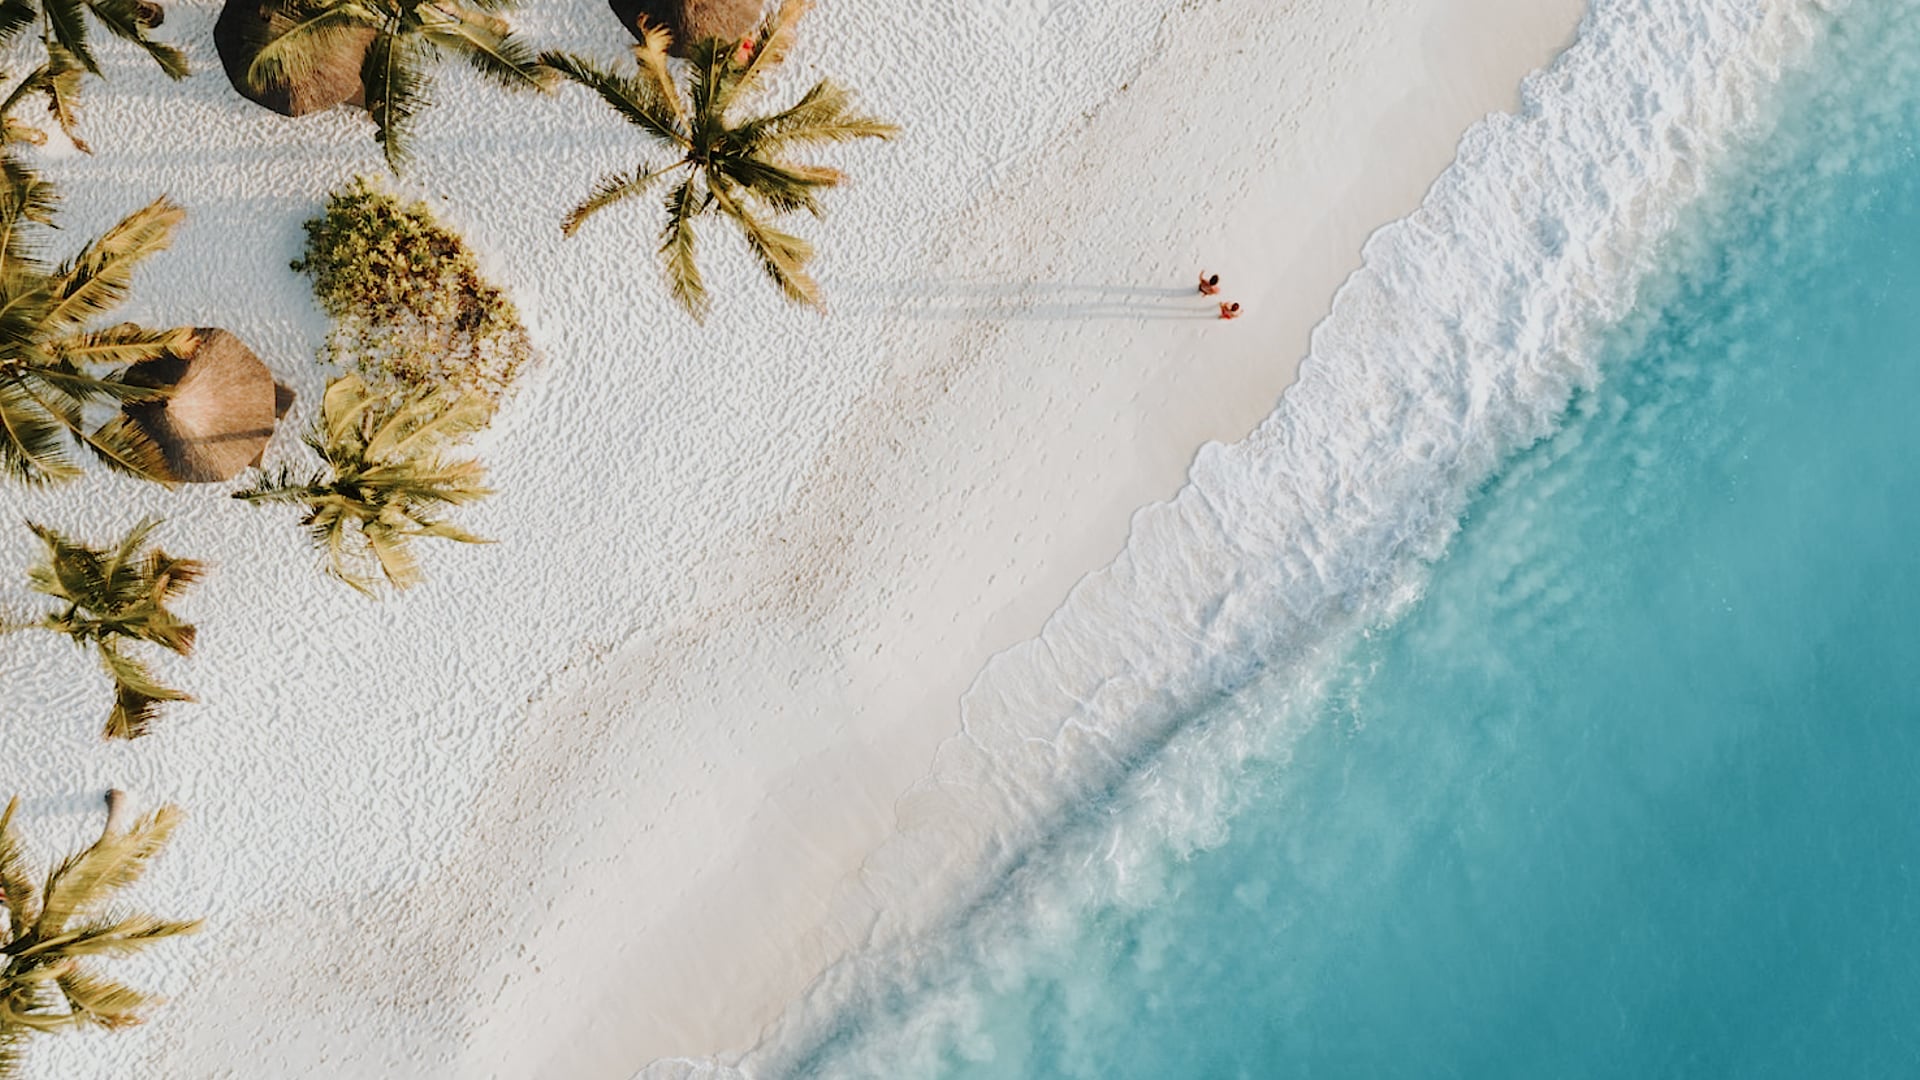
(246, 26)
(220, 414)
(691, 20)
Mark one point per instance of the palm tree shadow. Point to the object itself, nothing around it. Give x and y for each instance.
(73, 802)
(1024, 301)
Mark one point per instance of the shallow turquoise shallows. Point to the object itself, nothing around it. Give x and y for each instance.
(1634, 789)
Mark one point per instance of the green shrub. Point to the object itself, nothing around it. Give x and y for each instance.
(410, 310)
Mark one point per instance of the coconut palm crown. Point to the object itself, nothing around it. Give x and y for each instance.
(384, 480)
(734, 167)
(49, 356)
(110, 598)
(50, 932)
(407, 34)
(62, 30)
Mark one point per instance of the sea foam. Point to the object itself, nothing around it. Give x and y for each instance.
(1459, 342)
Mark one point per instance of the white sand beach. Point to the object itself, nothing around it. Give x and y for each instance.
(587, 799)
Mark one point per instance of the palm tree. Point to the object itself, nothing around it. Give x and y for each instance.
(384, 481)
(63, 38)
(47, 352)
(113, 596)
(50, 933)
(733, 167)
(407, 33)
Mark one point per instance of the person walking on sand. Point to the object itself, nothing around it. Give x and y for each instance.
(1209, 284)
(1229, 311)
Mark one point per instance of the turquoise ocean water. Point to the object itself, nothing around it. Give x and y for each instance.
(1633, 789)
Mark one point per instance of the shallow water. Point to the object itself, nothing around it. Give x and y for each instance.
(1627, 791)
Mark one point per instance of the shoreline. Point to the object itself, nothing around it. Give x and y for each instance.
(830, 794)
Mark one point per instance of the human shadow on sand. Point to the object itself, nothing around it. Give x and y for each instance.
(1023, 300)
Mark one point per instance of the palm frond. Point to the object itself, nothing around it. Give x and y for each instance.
(25, 86)
(390, 551)
(98, 279)
(335, 530)
(59, 396)
(12, 1060)
(710, 70)
(121, 569)
(168, 576)
(122, 343)
(410, 488)
(72, 573)
(33, 444)
(282, 487)
(16, 879)
(59, 79)
(138, 579)
(823, 114)
(16, 131)
(125, 446)
(346, 402)
(783, 189)
(422, 425)
(60, 83)
(156, 625)
(68, 383)
(651, 53)
(396, 90)
(122, 18)
(782, 256)
(15, 16)
(83, 881)
(637, 100)
(124, 935)
(445, 531)
(101, 1002)
(613, 188)
(137, 696)
(310, 43)
(677, 248)
(487, 45)
(25, 197)
(67, 20)
(26, 1004)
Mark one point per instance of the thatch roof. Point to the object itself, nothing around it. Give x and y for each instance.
(244, 28)
(221, 413)
(691, 20)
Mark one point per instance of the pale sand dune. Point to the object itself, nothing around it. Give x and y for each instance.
(585, 800)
